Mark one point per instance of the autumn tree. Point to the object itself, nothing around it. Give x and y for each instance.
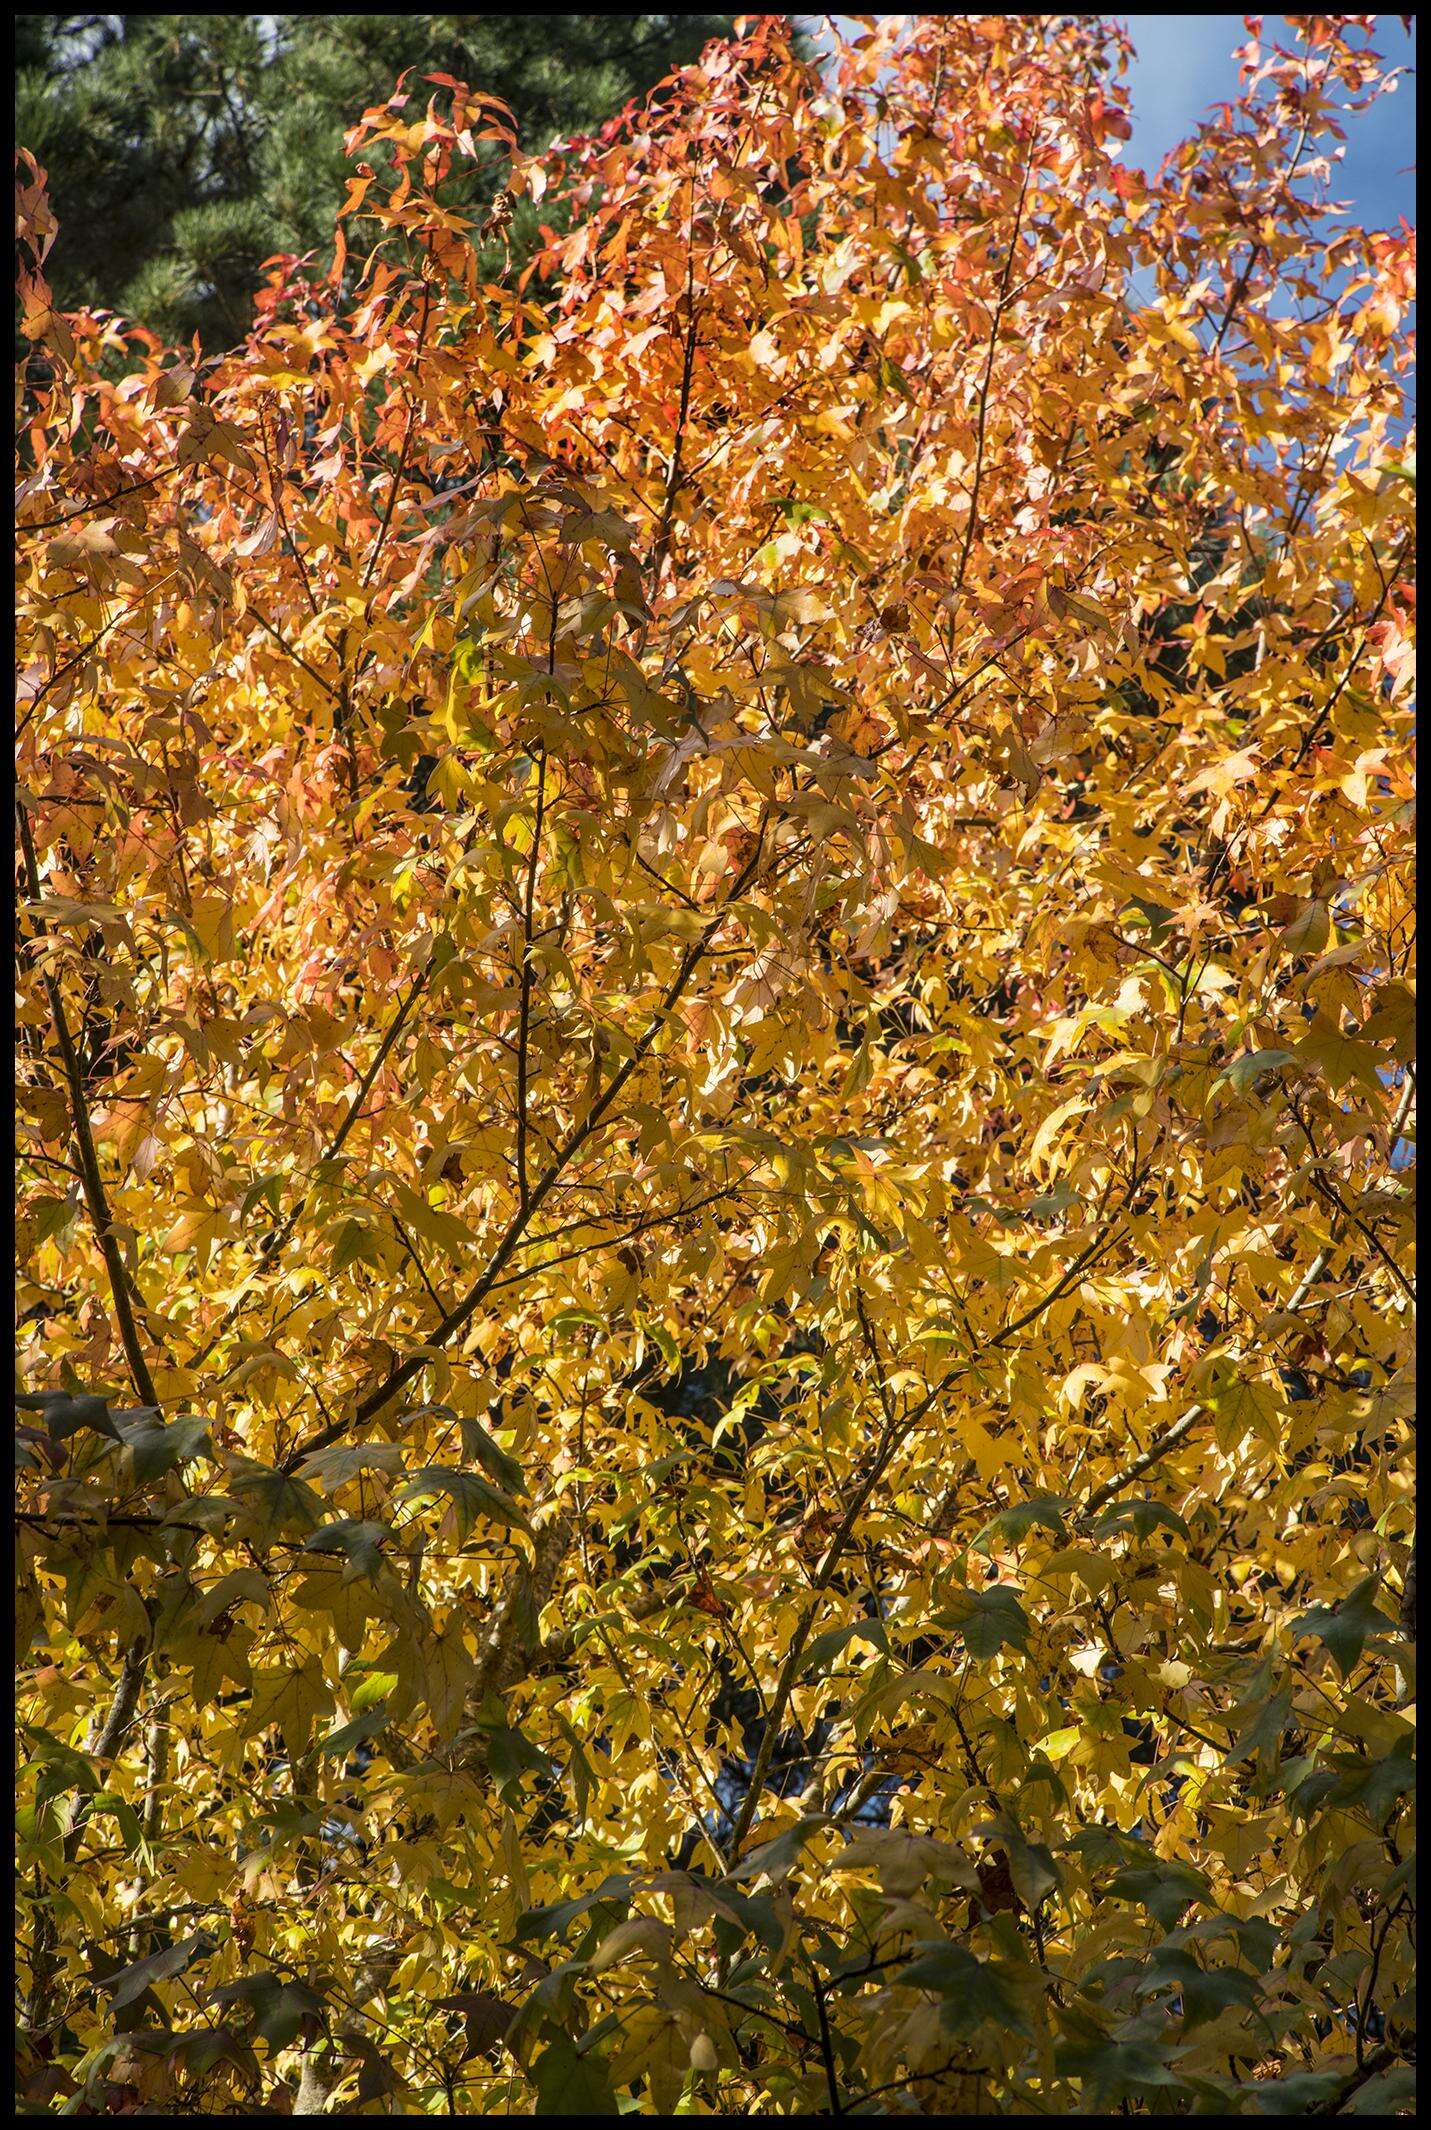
(717, 1119)
(182, 151)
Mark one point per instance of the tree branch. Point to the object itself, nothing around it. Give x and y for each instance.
(96, 1200)
(462, 1313)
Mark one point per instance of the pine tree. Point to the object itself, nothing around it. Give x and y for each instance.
(183, 150)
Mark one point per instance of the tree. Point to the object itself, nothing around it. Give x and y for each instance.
(717, 1122)
(184, 150)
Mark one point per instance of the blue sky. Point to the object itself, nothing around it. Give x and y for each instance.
(1184, 64)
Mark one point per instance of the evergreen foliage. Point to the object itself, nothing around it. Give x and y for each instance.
(183, 150)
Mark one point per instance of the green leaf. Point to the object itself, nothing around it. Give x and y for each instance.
(573, 1320)
(1212, 1991)
(1031, 1866)
(1344, 1628)
(583, 1776)
(994, 1618)
(1205, 1991)
(1375, 1784)
(200, 2051)
(1115, 2071)
(568, 2083)
(282, 2015)
(796, 513)
(494, 1460)
(1307, 932)
(280, 2008)
(1141, 1517)
(124, 1816)
(891, 375)
(1257, 1940)
(359, 1542)
(67, 1411)
(356, 1731)
(155, 1448)
(1264, 1733)
(510, 1756)
(836, 1639)
(663, 1342)
(1243, 1072)
(51, 1216)
(1155, 915)
(558, 1916)
(266, 1190)
(190, 1616)
(277, 1502)
(1391, 2092)
(130, 1983)
(342, 1461)
(1011, 1526)
(1307, 1786)
(1164, 1888)
(1102, 1848)
(974, 1990)
(1061, 1199)
(1301, 2093)
(63, 1769)
(744, 1915)
(356, 1244)
(783, 1853)
(376, 1687)
(470, 1496)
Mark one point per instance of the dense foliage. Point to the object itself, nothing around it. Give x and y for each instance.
(716, 1121)
(182, 151)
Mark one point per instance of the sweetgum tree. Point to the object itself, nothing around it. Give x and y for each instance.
(184, 150)
(717, 1089)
